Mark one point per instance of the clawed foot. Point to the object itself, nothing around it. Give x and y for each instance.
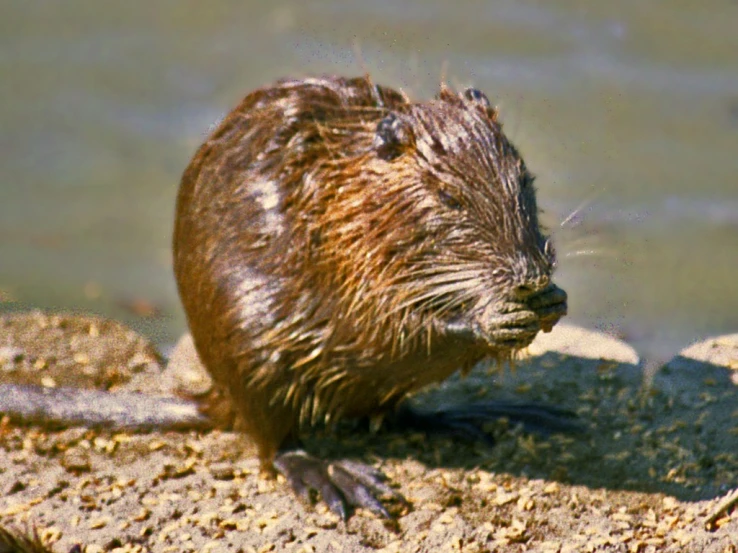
(341, 484)
(468, 422)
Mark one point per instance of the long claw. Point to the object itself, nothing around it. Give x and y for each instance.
(369, 477)
(356, 493)
(341, 485)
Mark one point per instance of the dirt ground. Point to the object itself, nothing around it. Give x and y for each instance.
(652, 471)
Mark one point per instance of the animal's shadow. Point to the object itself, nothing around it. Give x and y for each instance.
(676, 436)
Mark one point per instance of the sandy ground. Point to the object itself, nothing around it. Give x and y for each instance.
(659, 455)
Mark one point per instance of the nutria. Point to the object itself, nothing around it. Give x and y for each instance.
(338, 247)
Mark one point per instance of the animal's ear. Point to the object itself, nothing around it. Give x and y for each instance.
(447, 95)
(393, 137)
(477, 98)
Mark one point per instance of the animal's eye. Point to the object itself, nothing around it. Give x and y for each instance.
(448, 200)
(477, 96)
(549, 250)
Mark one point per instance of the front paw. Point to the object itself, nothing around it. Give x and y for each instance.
(513, 328)
(510, 325)
(550, 305)
(463, 330)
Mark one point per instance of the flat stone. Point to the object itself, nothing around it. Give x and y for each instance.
(580, 342)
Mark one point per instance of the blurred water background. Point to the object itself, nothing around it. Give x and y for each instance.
(626, 110)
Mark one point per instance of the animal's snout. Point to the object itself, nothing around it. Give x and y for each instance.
(529, 287)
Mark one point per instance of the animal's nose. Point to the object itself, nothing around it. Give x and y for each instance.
(531, 287)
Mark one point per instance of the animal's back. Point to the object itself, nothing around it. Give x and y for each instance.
(241, 254)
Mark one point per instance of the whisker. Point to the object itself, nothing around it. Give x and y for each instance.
(444, 309)
(458, 301)
(429, 280)
(442, 279)
(586, 203)
(591, 253)
(442, 269)
(434, 294)
(443, 298)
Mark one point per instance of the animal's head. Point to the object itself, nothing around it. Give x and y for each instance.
(441, 220)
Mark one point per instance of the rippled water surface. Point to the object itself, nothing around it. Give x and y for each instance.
(626, 110)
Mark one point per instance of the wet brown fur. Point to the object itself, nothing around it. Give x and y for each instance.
(318, 264)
